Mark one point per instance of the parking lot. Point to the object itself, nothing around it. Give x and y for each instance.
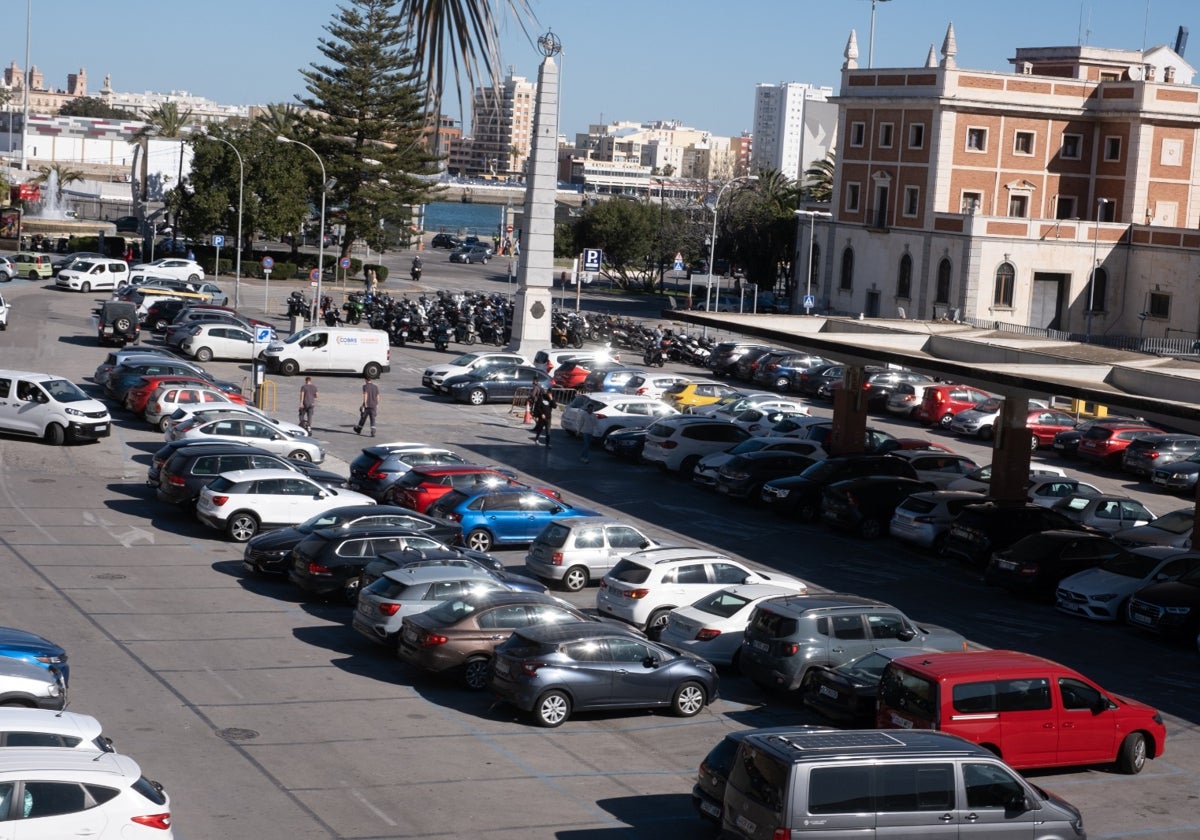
(266, 716)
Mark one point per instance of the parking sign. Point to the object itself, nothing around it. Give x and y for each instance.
(218, 240)
(592, 257)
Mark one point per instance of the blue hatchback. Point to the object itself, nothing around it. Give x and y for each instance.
(32, 648)
(501, 516)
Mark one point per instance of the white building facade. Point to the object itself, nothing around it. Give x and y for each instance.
(794, 125)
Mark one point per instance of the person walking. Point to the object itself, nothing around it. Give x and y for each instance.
(370, 406)
(541, 408)
(587, 428)
(308, 401)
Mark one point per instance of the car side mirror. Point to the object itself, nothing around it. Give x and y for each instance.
(1101, 705)
(319, 495)
(907, 634)
(1017, 803)
(644, 544)
(650, 662)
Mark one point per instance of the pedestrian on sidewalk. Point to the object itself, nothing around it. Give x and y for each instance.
(541, 408)
(370, 406)
(587, 428)
(308, 402)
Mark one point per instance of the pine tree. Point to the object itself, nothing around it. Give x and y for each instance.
(369, 120)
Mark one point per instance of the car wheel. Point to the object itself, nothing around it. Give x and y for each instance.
(552, 709)
(161, 325)
(479, 540)
(1033, 443)
(351, 589)
(289, 367)
(986, 433)
(870, 529)
(122, 325)
(575, 579)
(688, 700)
(193, 278)
(56, 435)
(687, 467)
(203, 354)
(945, 420)
(164, 423)
(300, 455)
(241, 526)
(372, 370)
(478, 396)
(781, 383)
(656, 623)
(1132, 757)
(806, 511)
(33, 275)
(85, 287)
(475, 673)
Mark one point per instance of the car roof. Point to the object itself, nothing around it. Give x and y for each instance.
(820, 745)
(796, 603)
(251, 475)
(47, 720)
(994, 662)
(561, 633)
(340, 532)
(434, 574)
(673, 553)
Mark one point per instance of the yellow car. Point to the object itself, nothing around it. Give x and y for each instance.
(686, 394)
(31, 265)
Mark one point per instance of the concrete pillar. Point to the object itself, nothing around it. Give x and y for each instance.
(1010, 456)
(535, 271)
(849, 434)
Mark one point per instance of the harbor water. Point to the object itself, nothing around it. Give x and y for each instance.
(483, 220)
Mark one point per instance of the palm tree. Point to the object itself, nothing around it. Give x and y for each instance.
(818, 179)
(62, 173)
(279, 119)
(167, 121)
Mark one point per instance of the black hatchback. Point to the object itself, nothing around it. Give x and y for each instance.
(1034, 565)
(866, 505)
(801, 495)
(190, 469)
(743, 476)
(980, 530)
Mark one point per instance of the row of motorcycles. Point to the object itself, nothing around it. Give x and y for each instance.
(676, 347)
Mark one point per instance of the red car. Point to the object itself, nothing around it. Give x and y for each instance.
(941, 402)
(1107, 442)
(570, 375)
(1045, 423)
(422, 486)
(137, 396)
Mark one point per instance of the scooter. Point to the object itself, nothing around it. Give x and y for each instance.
(416, 271)
(653, 356)
(441, 336)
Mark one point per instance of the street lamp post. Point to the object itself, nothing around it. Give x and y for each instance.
(237, 270)
(712, 242)
(316, 301)
(871, 45)
(1100, 202)
(812, 216)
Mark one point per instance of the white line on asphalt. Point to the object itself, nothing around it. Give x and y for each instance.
(224, 682)
(357, 795)
(132, 609)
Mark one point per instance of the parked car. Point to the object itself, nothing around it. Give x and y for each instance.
(866, 505)
(763, 420)
(434, 375)
(502, 515)
(493, 384)
(186, 320)
(252, 430)
(446, 240)
(848, 693)
(906, 398)
(189, 470)
(203, 411)
(1178, 476)
(653, 385)
(176, 267)
(117, 324)
(980, 480)
(1102, 593)
(420, 487)
(626, 444)
(924, 518)
(456, 556)
(244, 502)
(1169, 607)
(477, 253)
(1174, 529)
(121, 354)
(459, 636)
(32, 265)
(878, 387)
(723, 359)
(1149, 452)
(743, 476)
(1104, 512)
(941, 402)
(643, 587)
(131, 370)
(1105, 443)
(269, 553)
(40, 727)
(708, 467)
(800, 495)
(166, 399)
(678, 443)
(684, 394)
(731, 406)
(1034, 564)
(776, 369)
(205, 342)
(574, 551)
(613, 412)
(93, 273)
(378, 467)
(980, 421)
(24, 686)
(556, 670)
(939, 468)
(747, 363)
(981, 530)
(3, 313)
(1048, 490)
(816, 382)
(8, 269)
(59, 262)
(820, 431)
(609, 379)
(712, 626)
(32, 649)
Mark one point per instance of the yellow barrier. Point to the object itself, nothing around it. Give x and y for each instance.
(265, 392)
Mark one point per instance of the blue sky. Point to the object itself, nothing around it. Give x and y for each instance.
(696, 61)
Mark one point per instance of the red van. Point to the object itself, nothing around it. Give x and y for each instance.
(940, 403)
(1029, 711)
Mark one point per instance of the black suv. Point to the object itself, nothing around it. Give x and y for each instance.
(162, 313)
(190, 469)
(866, 505)
(1171, 608)
(446, 240)
(724, 357)
(379, 467)
(980, 530)
(776, 369)
(1034, 565)
(801, 494)
(880, 386)
(117, 323)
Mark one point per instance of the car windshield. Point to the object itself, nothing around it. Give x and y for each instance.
(1130, 565)
(723, 603)
(865, 669)
(296, 336)
(329, 519)
(1176, 522)
(64, 391)
(451, 611)
(464, 360)
(749, 445)
(628, 571)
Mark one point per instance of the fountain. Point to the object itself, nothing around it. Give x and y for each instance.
(50, 220)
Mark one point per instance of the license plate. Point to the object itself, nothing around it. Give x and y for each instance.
(103, 427)
(903, 723)
(828, 692)
(710, 809)
(746, 825)
(1006, 564)
(1070, 606)
(763, 646)
(501, 666)
(410, 635)
(722, 488)
(1137, 618)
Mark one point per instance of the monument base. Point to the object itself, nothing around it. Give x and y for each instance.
(531, 319)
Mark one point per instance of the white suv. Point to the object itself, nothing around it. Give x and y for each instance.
(46, 728)
(49, 793)
(646, 585)
(679, 442)
(613, 412)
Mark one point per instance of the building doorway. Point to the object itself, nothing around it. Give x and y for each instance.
(1045, 305)
(872, 310)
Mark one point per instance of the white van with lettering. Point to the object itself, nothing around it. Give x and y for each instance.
(49, 407)
(331, 350)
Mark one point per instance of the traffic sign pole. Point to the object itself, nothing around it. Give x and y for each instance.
(267, 264)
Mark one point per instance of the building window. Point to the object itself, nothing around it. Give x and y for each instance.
(976, 139)
(1072, 146)
(847, 281)
(1023, 143)
(912, 200)
(858, 134)
(904, 279)
(1018, 206)
(885, 135)
(1064, 207)
(916, 136)
(1099, 291)
(971, 202)
(1112, 148)
(852, 197)
(1160, 305)
(1006, 277)
(942, 292)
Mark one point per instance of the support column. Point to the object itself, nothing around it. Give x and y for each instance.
(535, 271)
(849, 436)
(1010, 454)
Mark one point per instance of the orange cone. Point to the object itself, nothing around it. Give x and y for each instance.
(528, 416)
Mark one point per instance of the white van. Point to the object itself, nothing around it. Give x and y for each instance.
(331, 350)
(98, 273)
(50, 407)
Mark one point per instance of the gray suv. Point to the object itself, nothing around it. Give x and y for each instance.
(576, 550)
(787, 636)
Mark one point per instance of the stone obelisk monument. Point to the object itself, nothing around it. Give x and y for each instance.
(535, 274)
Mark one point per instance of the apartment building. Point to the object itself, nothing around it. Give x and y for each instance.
(501, 129)
(992, 195)
(794, 125)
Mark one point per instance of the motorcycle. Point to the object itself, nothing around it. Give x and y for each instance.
(653, 356)
(441, 336)
(297, 305)
(416, 271)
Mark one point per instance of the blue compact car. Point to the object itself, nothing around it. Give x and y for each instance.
(501, 516)
(32, 648)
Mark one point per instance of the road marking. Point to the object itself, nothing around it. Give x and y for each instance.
(225, 683)
(386, 819)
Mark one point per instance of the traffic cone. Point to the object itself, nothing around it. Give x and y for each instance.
(528, 416)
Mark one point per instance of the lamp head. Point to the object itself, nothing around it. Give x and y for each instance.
(283, 139)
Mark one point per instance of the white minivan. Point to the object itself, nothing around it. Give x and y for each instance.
(331, 350)
(98, 273)
(46, 406)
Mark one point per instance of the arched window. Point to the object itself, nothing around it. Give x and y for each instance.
(942, 293)
(847, 270)
(1096, 295)
(904, 280)
(1006, 276)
